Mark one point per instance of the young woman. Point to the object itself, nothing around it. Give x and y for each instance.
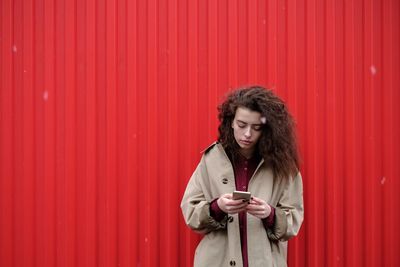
(256, 152)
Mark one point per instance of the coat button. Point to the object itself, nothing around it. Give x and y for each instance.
(232, 263)
(230, 219)
(224, 180)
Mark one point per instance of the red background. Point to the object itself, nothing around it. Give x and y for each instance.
(106, 105)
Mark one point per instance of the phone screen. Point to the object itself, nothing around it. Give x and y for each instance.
(241, 195)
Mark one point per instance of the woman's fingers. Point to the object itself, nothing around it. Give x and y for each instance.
(260, 211)
(256, 206)
(235, 206)
(230, 206)
(259, 208)
(256, 200)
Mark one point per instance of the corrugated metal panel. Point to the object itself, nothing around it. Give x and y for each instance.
(105, 105)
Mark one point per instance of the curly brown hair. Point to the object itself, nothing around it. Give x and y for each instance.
(277, 144)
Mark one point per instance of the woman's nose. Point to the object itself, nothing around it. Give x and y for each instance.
(247, 132)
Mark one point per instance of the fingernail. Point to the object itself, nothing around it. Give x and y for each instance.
(244, 200)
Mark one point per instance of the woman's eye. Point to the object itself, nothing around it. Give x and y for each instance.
(241, 125)
(257, 128)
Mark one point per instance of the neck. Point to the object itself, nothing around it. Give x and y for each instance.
(247, 153)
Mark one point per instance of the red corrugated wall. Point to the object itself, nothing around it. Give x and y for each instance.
(106, 105)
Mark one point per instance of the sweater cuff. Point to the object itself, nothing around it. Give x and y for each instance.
(215, 211)
(270, 220)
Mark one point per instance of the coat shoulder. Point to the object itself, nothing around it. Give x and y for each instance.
(207, 149)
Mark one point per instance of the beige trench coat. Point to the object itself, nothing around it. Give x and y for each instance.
(221, 244)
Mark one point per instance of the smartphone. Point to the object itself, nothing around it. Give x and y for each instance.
(241, 195)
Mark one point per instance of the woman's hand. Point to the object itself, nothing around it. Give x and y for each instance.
(231, 206)
(258, 208)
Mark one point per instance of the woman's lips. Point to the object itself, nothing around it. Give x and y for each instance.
(245, 142)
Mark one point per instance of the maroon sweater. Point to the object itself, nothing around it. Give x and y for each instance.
(243, 169)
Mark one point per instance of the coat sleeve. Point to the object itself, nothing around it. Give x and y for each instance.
(195, 207)
(289, 212)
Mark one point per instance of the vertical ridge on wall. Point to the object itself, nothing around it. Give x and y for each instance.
(123, 185)
(89, 248)
(387, 118)
(334, 99)
(18, 121)
(281, 49)
(81, 149)
(242, 42)
(7, 138)
(394, 170)
(296, 99)
(212, 63)
(101, 187)
(352, 62)
(141, 122)
(371, 143)
(312, 228)
(60, 86)
(28, 142)
(112, 156)
(252, 39)
(192, 110)
(68, 186)
(48, 93)
(152, 109)
(232, 28)
(171, 194)
(106, 105)
(133, 132)
(271, 44)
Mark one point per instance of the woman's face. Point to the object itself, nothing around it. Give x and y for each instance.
(247, 129)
